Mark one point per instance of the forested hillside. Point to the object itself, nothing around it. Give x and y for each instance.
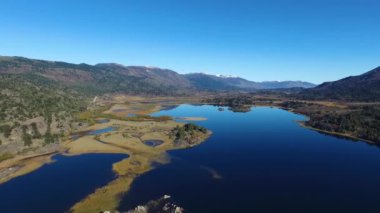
(35, 111)
(100, 79)
(365, 87)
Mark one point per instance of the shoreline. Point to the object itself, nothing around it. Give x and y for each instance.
(344, 135)
(24, 165)
(336, 134)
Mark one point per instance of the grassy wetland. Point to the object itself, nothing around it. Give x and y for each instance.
(119, 126)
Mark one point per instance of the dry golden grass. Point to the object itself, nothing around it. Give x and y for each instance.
(87, 144)
(329, 104)
(104, 198)
(136, 108)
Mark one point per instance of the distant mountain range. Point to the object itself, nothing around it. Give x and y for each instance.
(212, 82)
(111, 77)
(365, 87)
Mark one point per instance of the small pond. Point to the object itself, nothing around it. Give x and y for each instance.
(153, 143)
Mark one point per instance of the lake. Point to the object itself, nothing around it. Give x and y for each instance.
(263, 161)
(259, 161)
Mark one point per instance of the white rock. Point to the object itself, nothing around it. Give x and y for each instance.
(178, 210)
(140, 209)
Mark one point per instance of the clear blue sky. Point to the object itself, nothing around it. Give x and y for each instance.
(311, 40)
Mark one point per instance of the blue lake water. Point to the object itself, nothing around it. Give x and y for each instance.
(267, 163)
(58, 186)
(260, 161)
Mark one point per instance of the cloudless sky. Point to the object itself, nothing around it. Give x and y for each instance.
(310, 40)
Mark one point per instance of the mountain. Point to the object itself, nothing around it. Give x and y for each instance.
(365, 87)
(111, 77)
(213, 82)
(101, 78)
(153, 75)
(285, 84)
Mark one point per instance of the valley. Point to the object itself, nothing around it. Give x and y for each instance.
(201, 106)
(47, 112)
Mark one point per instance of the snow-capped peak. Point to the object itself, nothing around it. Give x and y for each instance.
(226, 76)
(219, 75)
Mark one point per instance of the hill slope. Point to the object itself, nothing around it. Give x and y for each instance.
(365, 87)
(101, 78)
(211, 82)
(111, 77)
